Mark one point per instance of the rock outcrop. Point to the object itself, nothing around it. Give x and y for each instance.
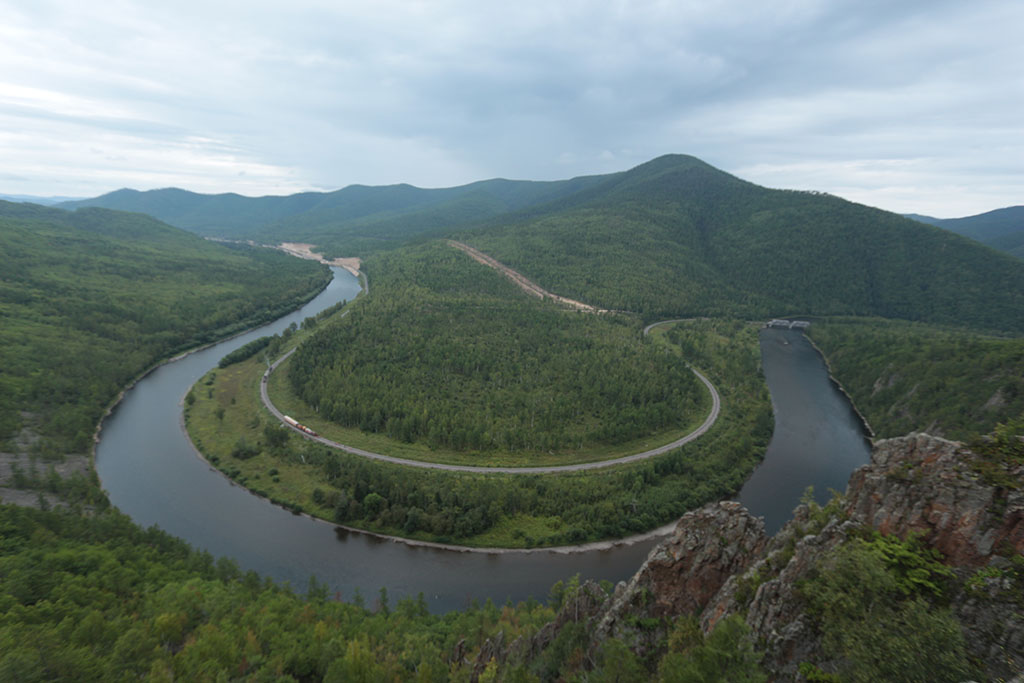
(719, 561)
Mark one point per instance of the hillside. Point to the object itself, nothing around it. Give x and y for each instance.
(91, 298)
(872, 587)
(354, 219)
(448, 352)
(677, 237)
(915, 574)
(671, 237)
(1001, 229)
(910, 377)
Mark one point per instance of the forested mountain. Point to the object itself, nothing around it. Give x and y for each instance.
(911, 377)
(1001, 229)
(88, 299)
(356, 217)
(44, 201)
(677, 237)
(671, 237)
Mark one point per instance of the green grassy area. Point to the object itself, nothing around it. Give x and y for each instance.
(284, 398)
(493, 510)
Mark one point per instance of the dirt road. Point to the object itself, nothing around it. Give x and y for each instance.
(527, 285)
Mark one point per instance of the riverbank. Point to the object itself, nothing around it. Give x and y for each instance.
(841, 389)
(303, 475)
(305, 251)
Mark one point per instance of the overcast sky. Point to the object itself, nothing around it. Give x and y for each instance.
(905, 105)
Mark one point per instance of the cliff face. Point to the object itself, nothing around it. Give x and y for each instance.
(719, 562)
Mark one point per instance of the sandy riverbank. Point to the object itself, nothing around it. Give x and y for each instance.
(302, 250)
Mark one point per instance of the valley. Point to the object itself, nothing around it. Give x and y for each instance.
(448, 362)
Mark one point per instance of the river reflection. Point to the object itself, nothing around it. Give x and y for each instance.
(818, 439)
(151, 473)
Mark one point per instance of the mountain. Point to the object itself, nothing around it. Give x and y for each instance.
(669, 238)
(677, 237)
(45, 201)
(1001, 229)
(356, 217)
(91, 298)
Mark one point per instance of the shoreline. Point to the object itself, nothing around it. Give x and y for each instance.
(870, 436)
(166, 361)
(305, 251)
(591, 546)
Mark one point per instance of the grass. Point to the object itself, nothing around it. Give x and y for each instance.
(284, 398)
(226, 409)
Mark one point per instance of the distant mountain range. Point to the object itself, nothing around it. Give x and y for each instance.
(43, 201)
(1001, 229)
(671, 237)
(357, 217)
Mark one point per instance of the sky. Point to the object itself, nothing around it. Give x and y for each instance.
(907, 105)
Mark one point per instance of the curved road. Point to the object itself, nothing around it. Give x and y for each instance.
(716, 407)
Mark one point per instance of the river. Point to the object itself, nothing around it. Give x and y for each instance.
(818, 439)
(150, 472)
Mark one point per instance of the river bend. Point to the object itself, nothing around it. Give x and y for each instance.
(151, 472)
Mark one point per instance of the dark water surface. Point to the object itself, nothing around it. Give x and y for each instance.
(151, 473)
(818, 440)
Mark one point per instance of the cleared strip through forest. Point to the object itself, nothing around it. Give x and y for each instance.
(528, 286)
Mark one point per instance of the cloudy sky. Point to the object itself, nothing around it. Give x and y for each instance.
(903, 104)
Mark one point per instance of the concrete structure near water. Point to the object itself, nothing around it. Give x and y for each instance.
(788, 324)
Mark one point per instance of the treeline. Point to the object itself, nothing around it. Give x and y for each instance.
(676, 237)
(912, 377)
(245, 352)
(447, 352)
(98, 599)
(90, 299)
(496, 509)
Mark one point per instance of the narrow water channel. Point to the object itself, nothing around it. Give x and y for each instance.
(818, 440)
(151, 473)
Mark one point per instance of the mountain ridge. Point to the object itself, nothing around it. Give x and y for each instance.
(1001, 229)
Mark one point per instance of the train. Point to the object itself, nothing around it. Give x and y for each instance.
(298, 425)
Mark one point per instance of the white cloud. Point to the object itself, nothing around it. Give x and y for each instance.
(909, 106)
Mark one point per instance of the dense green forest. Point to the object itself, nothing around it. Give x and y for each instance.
(1001, 229)
(89, 299)
(355, 219)
(675, 237)
(908, 377)
(495, 509)
(447, 351)
(672, 237)
(98, 599)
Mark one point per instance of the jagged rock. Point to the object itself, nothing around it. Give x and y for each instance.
(681, 574)
(458, 655)
(924, 484)
(718, 561)
(491, 649)
(583, 604)
(917, 484)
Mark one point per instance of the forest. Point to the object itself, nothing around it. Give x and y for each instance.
(448, 352)
(908, 377)
(91, 299)
(495, 509)
(676, 237)
(98, 599)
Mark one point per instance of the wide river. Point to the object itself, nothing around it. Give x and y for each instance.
(150, 471)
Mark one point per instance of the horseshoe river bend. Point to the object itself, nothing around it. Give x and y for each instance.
(151, 472)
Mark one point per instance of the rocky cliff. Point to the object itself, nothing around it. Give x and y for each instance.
(963, 509)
